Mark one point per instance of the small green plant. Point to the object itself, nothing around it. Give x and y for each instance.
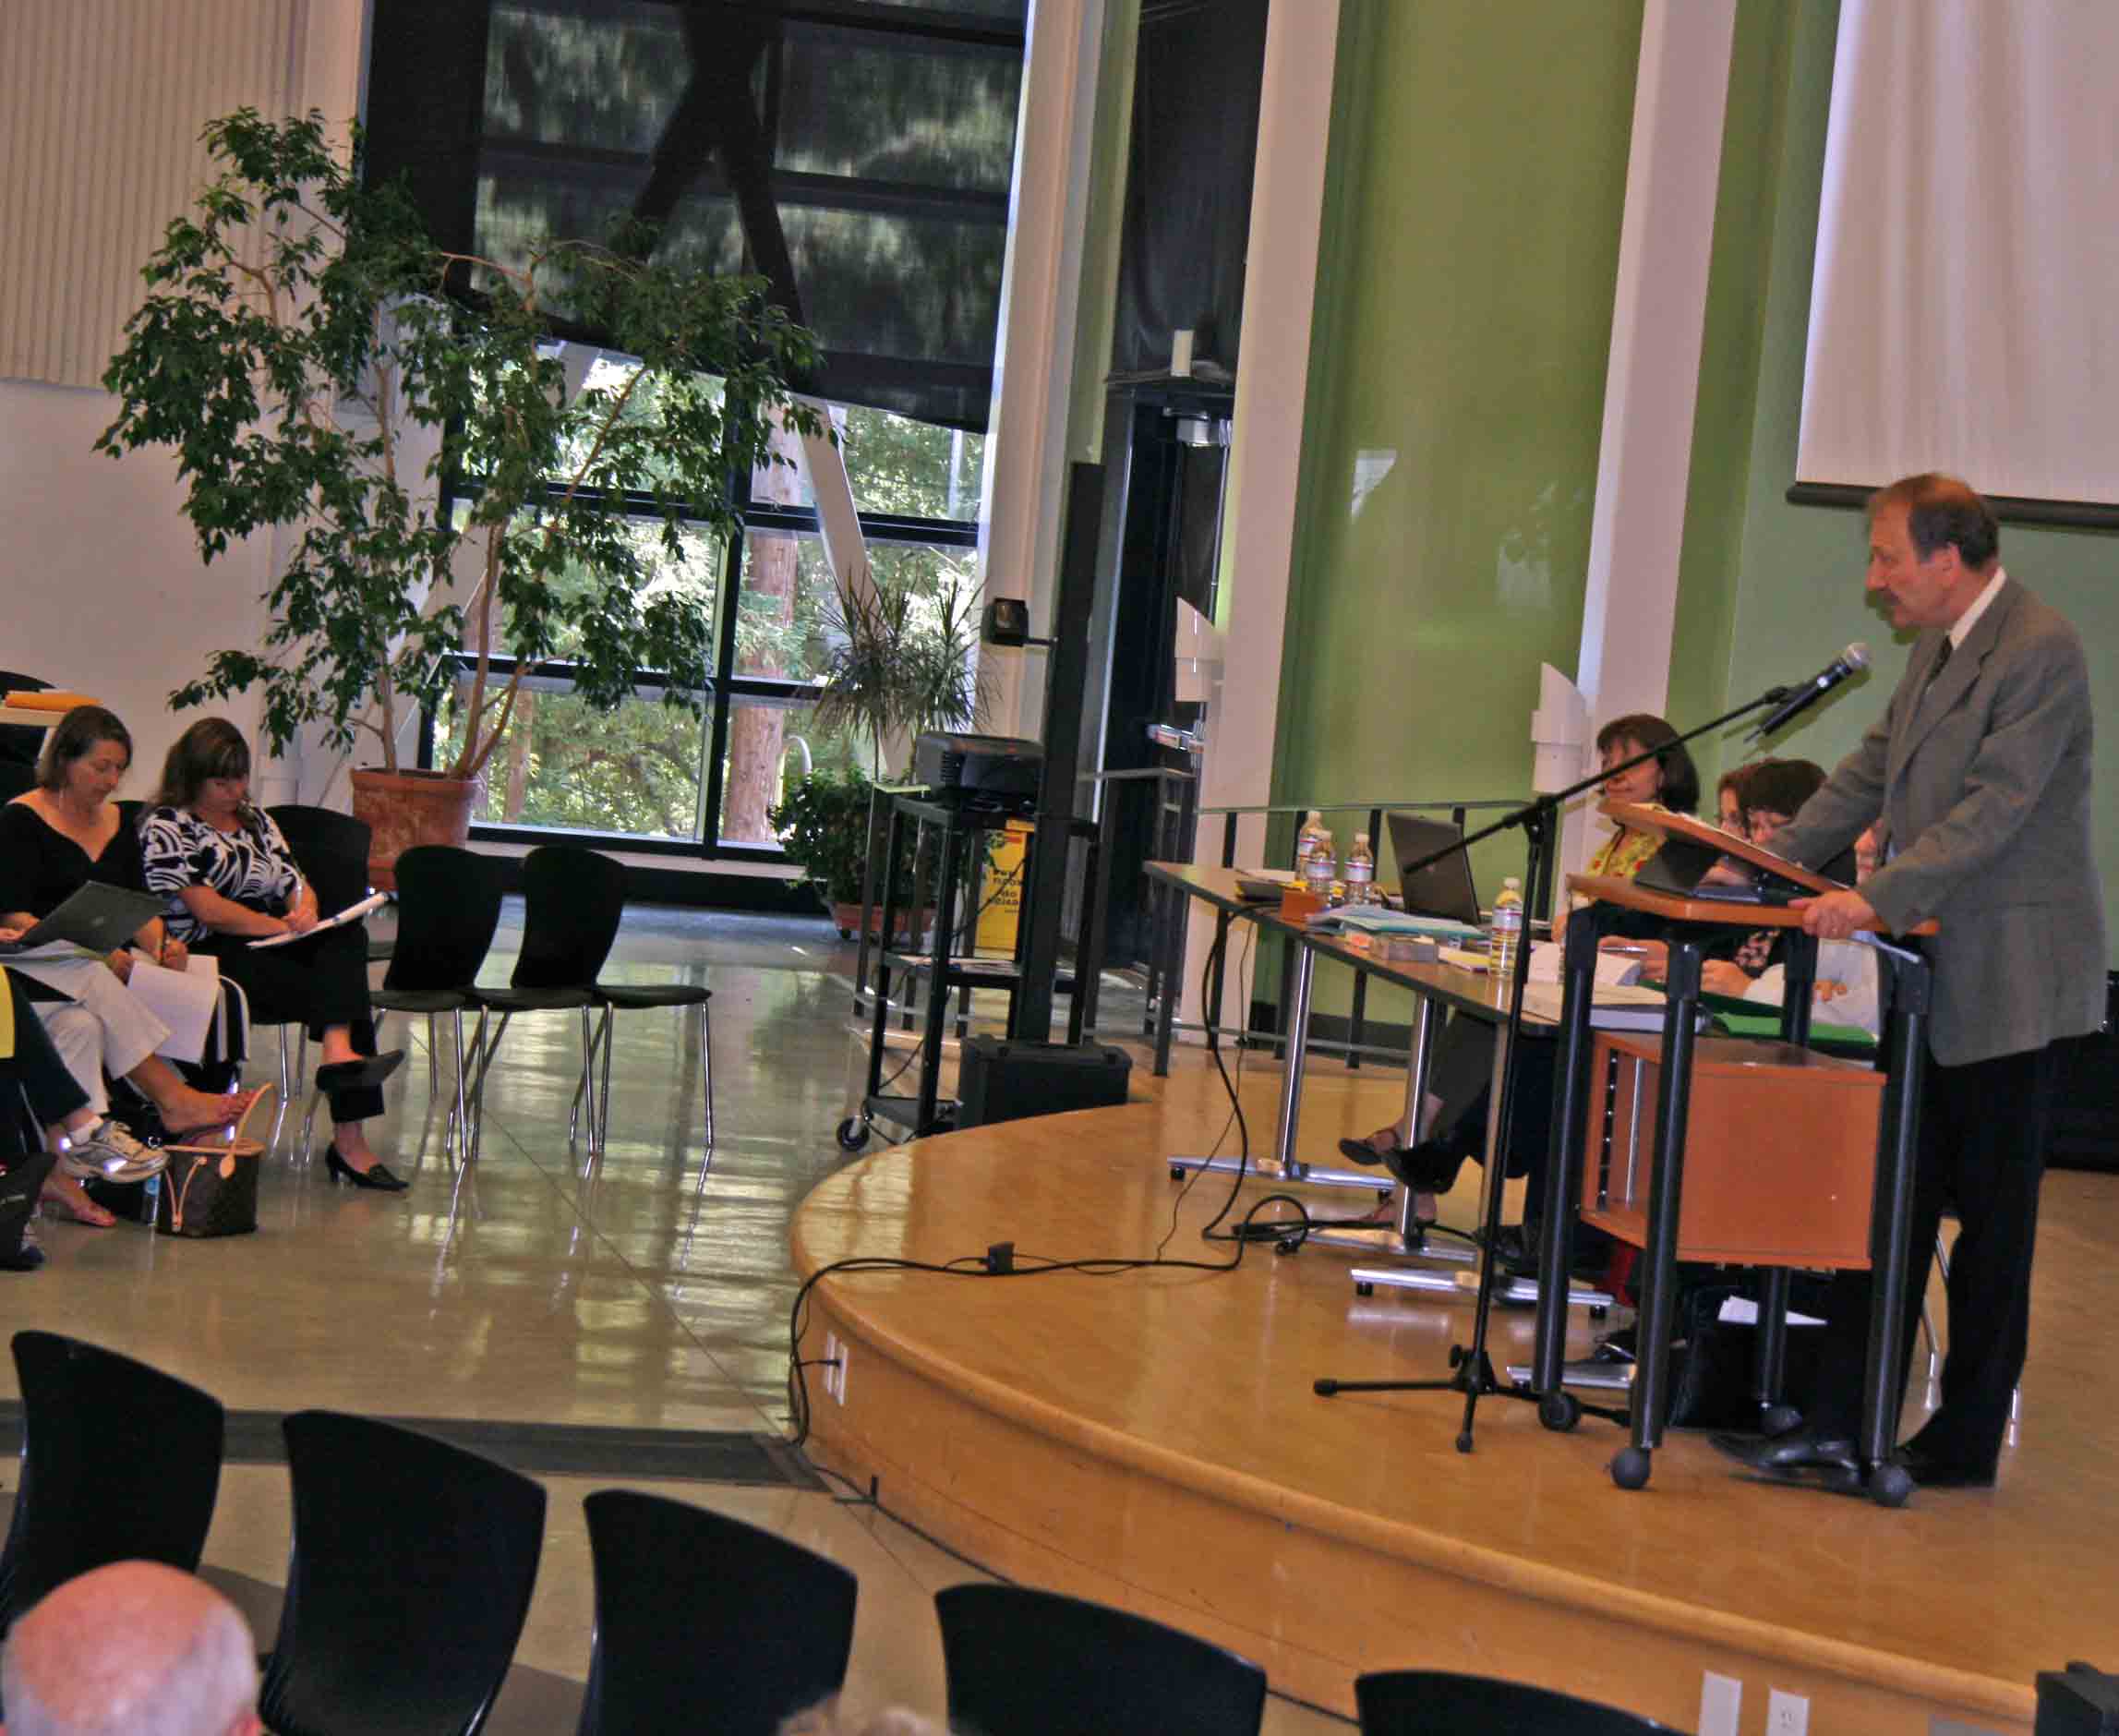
(824, 822)
(301, 325)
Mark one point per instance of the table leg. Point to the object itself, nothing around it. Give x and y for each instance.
(1665, 1192)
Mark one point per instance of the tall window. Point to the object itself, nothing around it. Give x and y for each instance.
(665, 778)
(856, 154)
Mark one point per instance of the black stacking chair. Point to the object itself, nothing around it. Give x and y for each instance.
(448, 906)
(410, 1578)
(573, 900)
(1033, 1663)
(696, 1611)
(330, 848)
(1416, 1702)
(120, 1463)
(629, 997)
(20, 744)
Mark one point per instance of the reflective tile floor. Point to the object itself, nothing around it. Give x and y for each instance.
(648, 1288)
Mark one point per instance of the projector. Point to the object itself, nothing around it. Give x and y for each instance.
(984, 771)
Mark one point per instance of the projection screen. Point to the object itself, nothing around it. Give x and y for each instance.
(1964, 301)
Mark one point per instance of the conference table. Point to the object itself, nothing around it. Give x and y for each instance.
(1438, 989)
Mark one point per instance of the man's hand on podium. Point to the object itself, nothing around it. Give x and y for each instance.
(1837, 915)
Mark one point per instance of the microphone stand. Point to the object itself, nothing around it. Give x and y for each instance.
(1472, 1369)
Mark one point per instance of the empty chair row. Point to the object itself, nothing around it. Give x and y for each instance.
(414, 1562)
(573, 900)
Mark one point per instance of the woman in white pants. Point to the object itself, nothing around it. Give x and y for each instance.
(54, 839)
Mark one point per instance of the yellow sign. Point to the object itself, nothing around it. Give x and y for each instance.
(1000, 890)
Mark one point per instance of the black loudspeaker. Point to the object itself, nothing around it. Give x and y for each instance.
(2077, 1701)
(1002, 1079)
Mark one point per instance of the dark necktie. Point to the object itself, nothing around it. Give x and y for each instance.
(1942, 662)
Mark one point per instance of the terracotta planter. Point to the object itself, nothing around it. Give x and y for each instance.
(407, 808)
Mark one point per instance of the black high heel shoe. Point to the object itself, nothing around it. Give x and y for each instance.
(375, 1176)
(370, 1070)
(1428, 1168)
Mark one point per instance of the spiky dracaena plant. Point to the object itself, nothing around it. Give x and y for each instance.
(300, 323)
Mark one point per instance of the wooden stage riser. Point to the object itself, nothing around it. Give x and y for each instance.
(1315, 1610)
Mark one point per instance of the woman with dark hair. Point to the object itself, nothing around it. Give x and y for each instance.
(1455, 1109)
(230, 879)
(55, 838)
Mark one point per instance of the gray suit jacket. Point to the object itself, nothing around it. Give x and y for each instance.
(1983, 784)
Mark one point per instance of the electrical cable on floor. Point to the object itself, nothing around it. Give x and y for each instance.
(1285, 1235)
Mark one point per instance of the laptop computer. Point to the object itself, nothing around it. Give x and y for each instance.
(1444, 887)
(100, 918)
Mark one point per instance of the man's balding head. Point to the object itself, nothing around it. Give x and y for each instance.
(137, 1648)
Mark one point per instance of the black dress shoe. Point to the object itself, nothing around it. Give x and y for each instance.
(1360, 1152)
(375, 1175)
(1800, 1449)
(1930, 1469)
(1430, 1167)
(370, 1070)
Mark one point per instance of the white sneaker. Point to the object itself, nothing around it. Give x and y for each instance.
(108, 1151)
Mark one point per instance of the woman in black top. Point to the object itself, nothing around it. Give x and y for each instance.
(54, 839)
(230, 879)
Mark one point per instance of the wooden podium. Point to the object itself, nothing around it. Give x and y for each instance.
(1781, 1144)
(1653, 1112)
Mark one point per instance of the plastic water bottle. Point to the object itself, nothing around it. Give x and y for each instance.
(1306, 841)
(1359, 872)
(1319, 867)
(1506, 932)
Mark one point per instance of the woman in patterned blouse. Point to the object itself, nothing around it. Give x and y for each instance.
(230, 879)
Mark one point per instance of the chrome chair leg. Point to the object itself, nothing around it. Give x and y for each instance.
(286, 1073)
(602, 1128)
(433, 1060)
(706, 1064)
(588, 1083)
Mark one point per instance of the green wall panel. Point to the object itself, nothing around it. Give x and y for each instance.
(1469, 244)
(1800, 594)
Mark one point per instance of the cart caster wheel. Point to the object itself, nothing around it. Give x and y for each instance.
(1464, 1441)
(853, 1134)
(1599, 1312)
(1559, 1411)
(1176, 1173)
(1629, 1467)
(1364, 1289)
(1383, 1195)
(1456, 1355)
(846, 934)
(1777, 1420)
(1890, 1486)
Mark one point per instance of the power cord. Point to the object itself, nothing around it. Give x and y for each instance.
(1002, 1261)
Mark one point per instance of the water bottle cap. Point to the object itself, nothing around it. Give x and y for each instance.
(1361, 840)
(1512, 880)
(1317, 816)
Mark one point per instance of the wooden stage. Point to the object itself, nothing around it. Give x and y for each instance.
(1150, 1440)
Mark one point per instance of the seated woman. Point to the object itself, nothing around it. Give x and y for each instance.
(54, 839)
(1454, 1118)
(231, 879)
(1848, 991)
(33, 1076)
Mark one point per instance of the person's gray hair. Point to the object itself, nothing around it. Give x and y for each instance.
(826, 1718)
(205, 1689)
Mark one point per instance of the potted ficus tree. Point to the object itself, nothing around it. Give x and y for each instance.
(454, 503)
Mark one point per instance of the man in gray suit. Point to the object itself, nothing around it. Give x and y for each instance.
(1978, 774)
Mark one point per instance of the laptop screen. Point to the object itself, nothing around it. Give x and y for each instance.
(1444, 887)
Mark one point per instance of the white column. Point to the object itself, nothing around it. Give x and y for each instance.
(1040, 285)
(1265, 454)
(1653, 381)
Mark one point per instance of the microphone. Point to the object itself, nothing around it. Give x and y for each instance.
(1850, 661)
